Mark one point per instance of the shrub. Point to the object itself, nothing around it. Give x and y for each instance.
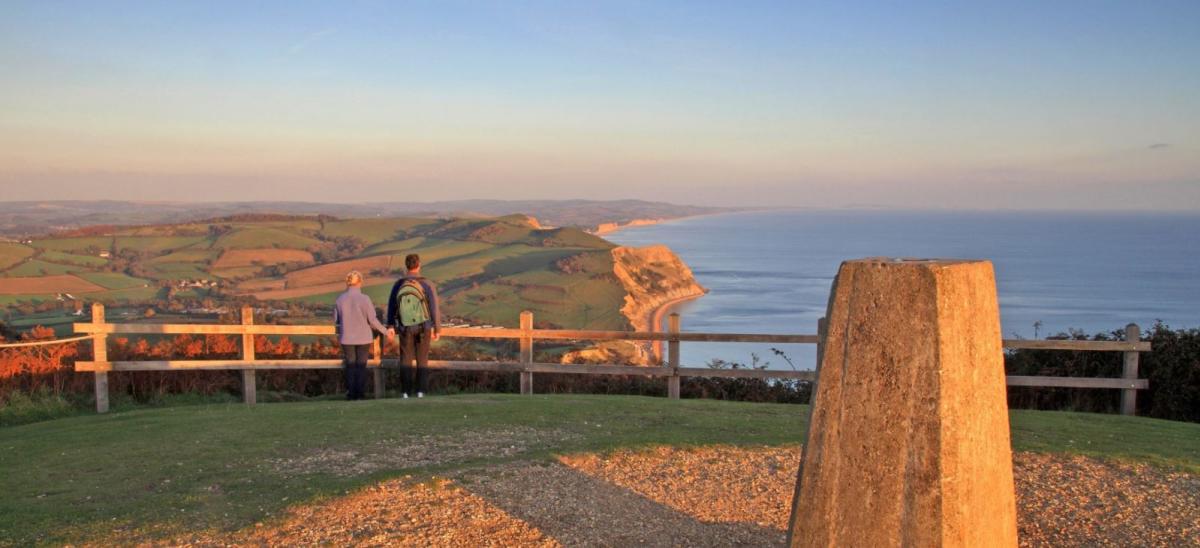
(1172, 367)
(21, 408)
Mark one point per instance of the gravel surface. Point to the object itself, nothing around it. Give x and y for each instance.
(400, 512)
(711, 496)
(580, 509)
(1077, 501)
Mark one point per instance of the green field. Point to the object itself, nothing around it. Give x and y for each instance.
(165, 470)
(14, 300)
(73, 258)
(235, 272)
(178, 271)
(371, 231)
(13, 253)
(190, 255)
(133, 294)
(157, 244)
(113, 280)
(37, 267)
(103, 243)
(62, 321)
(253, 237)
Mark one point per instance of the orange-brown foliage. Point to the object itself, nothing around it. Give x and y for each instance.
(33, 368)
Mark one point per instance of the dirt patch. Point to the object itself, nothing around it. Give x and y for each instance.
(419, 451)
(399, 512)
(234, 258)
(40, 285)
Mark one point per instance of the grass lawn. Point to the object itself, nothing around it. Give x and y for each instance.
(217, 466)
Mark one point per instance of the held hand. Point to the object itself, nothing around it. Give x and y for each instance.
(391, 333)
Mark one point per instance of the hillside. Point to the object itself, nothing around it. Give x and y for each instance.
(489, 269)
(25, 219)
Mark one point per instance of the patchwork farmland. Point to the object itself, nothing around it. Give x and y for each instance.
(489, 269)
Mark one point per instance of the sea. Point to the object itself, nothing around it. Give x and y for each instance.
(771, 271)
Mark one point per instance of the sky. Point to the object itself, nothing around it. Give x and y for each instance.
(1030, 105)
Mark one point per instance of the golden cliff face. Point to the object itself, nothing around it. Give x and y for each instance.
(652, 277)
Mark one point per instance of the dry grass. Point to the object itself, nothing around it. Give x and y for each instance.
(308, 291)
(234, 258)
(336, 272)
(41, 285)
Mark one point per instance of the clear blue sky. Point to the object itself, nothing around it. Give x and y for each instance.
(1058, 104)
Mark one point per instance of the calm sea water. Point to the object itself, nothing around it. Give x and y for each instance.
(771, 272)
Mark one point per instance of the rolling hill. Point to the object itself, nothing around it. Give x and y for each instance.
(488, 269)
(26, 219)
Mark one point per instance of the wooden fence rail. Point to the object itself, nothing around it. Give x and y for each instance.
(248, 363)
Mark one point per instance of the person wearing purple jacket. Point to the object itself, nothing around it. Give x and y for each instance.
(354, 318)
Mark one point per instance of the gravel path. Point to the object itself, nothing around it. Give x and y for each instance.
(712, 496)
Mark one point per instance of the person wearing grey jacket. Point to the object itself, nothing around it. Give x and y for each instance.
(354, 318)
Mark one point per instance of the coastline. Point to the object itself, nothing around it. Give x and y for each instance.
(656, 319)
(609, 228)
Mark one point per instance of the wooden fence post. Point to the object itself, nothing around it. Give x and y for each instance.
(249, 382)
(377, 373)
(1133, 333)
(100, 356)
(526, 351)
(673, 356)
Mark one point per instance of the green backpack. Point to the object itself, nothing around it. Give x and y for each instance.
(413, 309)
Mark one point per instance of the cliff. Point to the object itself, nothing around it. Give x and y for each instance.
(652, 276)
(607, 228)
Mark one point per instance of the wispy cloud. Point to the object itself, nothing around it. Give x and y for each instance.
(1159, 146)
(309, 39)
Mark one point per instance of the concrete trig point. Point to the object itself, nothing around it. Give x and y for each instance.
(909, 439)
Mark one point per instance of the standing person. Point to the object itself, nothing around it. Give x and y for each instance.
(354, 316)
(413, 313)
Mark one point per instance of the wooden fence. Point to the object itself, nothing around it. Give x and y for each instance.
(248, 363)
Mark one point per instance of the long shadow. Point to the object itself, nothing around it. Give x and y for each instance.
(579, 510)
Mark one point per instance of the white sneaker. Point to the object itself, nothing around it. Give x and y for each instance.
(420, 394)
(406, 395)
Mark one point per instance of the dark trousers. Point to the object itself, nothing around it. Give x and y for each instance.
(414, 345)
(354, 358)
